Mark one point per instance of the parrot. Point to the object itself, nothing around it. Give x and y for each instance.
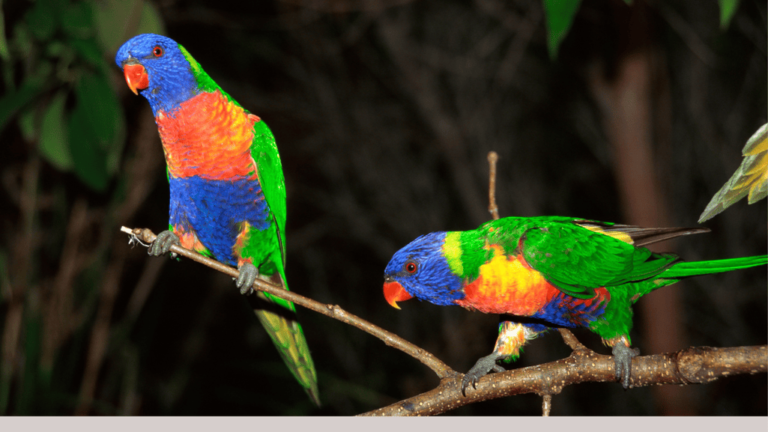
(545, 272)
(750, 179)
(227, 190)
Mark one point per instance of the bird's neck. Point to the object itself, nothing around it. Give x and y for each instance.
(168, 94)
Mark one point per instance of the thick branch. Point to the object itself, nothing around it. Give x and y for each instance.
(334, 311)
(695, 365)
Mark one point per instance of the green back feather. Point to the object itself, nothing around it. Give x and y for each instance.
(575, 259)
(204, 82)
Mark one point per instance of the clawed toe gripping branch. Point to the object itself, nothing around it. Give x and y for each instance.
(695, 365)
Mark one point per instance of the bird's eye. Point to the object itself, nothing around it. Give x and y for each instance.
(157, 51)
(411, 267)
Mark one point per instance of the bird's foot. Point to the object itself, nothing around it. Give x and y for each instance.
(162, 244)
(479, 370)
(246, 278)
(622, 357)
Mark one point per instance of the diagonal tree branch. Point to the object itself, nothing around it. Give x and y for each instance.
(145, 236)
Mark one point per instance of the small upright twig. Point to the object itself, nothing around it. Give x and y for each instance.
(546, 405)
(492, 207)
(568, 337)
(571, 340)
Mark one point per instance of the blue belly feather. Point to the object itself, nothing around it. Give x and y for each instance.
(215, 210)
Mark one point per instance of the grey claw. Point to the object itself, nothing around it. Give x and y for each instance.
(479, 370)
(162, 244)
(622, 357)
(248, 275)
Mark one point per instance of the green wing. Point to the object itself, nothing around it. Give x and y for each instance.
(577, 260)
(270, 171)
(285, 331)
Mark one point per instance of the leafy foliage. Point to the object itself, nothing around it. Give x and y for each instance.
(560, 15)
(727, 10)
(64, 48)
(58, 90)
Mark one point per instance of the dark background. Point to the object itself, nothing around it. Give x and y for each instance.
(384, 113)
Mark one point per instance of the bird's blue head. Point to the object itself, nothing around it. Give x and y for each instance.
(421, 270)
(160, 69)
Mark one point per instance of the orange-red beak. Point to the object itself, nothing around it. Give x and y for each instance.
(136, 77)
(394, 292)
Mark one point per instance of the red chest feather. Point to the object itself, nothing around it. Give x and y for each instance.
(209, 137)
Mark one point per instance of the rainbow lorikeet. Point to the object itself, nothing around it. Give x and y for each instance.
(226, 180)
(543, 272)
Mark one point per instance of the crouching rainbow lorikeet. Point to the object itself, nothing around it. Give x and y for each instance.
(226, 180)
(554, 271)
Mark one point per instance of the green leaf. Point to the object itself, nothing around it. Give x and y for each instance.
(42, 19)
(629, 2)
(727, 10)
(106, 118)
(89, 158)
(118, 20)
(77, 20)
(55, 49)
(53, 144)
(13, 102)
(560, 15)
(95, 131)
(96, 97)
(5, 53)
(88, 50)
(27, 124)
(150, 20)
(22, 39)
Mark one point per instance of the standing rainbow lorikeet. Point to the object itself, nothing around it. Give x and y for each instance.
(554, 271)
(227, 185)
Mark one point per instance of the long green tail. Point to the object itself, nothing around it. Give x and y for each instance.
(288, 337)
(685, 269)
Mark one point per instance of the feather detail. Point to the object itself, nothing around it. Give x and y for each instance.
(512, 337)
(636, 235)
(210, 137)
(189, 240)
(507, 286)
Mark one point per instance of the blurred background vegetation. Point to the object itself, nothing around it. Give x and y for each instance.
(384, 112)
